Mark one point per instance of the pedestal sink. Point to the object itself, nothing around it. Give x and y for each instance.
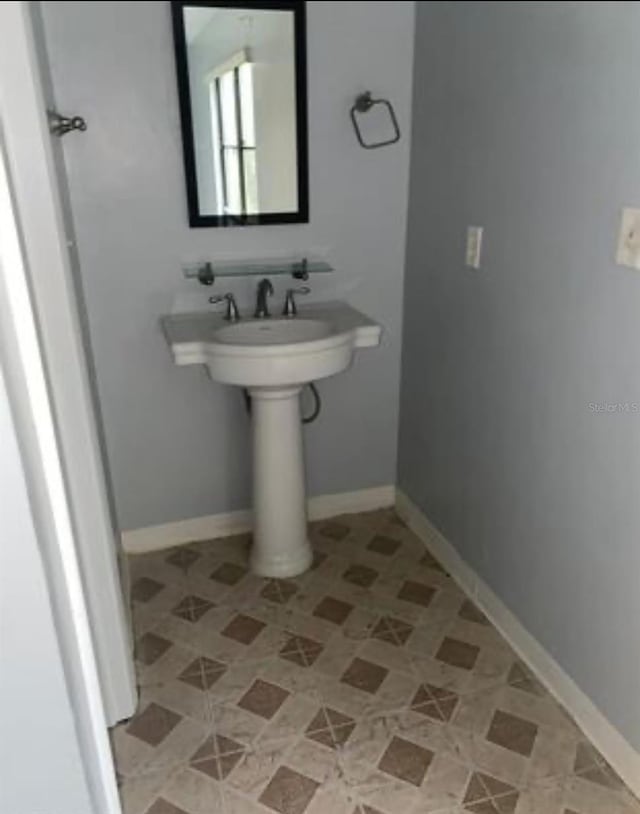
(274, 358)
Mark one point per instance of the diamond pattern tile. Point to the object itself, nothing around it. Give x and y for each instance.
(335, 531)
(364, 675)
(263, 699)
(429, 561)
(406, 760)
(144, 589)
(435, 702)
(333, 610)
(183, 558)
(522, 679)
(487, 795)
(458, 653)
(381, 544)
(360, 575)
(512, 732)
(192, 608)
(331, 728)
(393, 631)
(417, 592)
(202, 673)
(369, 685)
(590, 765)
(229, 573)
(318, 558)
(153, 724)
(289, 792)
(150, 647)
(471, 613)
(243, 629)
(217, 756)
(301, 651)
(279, 591)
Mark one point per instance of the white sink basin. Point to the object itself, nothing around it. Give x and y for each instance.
(273, 358)
(275, 351)
(274, 331)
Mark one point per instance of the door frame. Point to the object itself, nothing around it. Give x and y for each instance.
(44, 363)
(37, 177)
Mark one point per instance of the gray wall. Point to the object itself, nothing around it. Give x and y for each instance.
(525, 122)
(178, 444)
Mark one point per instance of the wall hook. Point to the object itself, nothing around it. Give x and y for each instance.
(363, 104)
(59, 125)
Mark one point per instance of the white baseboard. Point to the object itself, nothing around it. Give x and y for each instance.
(153, 538)
(605, 737)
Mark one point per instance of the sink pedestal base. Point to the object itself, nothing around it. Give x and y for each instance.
(280, 544)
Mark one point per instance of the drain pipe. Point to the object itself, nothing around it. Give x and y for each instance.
(317, 403)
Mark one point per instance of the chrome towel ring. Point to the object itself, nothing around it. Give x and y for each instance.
(363, 104)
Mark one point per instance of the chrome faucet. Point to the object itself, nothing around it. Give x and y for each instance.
(265, 289)
(232, 314)
(290, 306)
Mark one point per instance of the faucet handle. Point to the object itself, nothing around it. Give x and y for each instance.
(290, 307)
(232, 315)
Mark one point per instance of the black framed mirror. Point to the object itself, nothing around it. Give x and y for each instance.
(242, 86)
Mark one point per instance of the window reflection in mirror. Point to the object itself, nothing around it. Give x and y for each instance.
(241, 81)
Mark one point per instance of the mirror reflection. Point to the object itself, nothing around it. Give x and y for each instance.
(243, 81)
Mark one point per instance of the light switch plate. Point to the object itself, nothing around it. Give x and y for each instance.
(474, 246)
(628, 252)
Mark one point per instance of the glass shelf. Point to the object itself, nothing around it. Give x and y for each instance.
(297, 268)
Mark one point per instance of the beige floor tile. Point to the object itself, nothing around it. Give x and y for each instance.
(552, 755)
(258, 766)
(293, 677)
(311, 627)
(237, 803)
(237, 679)
(388, 647)
(334, 693)
(395, 693)
(291, 720)
(237, 723)
(181, 698)
(177, 747)
(585, 797)
(130, 753)
(388, 655)
(167, 667)
(475, 710)
(444, 785)
(425, 731)
(337, 655)
(360, 623)
(491, 668)
(489, 758)
(433, 671)
(365, 748)
(138, 793)
(270, 641)
(483, 635)
(332, 798)
(387, 794)
(314, 760)
(144, 618)
(543, 798)
(193, 791)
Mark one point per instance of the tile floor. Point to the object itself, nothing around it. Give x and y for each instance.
(369, 685)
